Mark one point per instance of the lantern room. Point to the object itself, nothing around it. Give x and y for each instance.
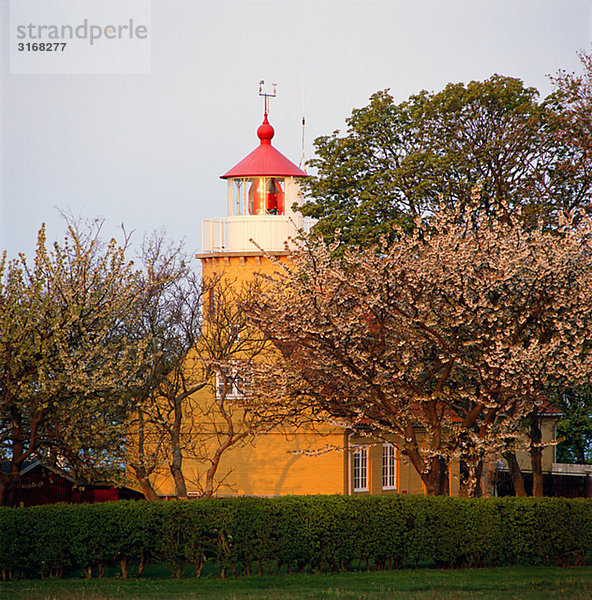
(257, 184)
(262, 190)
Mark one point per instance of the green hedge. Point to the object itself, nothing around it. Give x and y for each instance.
(287, 534)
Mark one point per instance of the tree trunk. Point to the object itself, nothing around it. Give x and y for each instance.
(208, 491)
(8, 489)
(464, 490)
(144, 483)
(444, 478)
(436, 481)
(9, 485)
(141, 473)
(3, 492)
(123, 565)
(143, 564)
(468, 480)
(198, 563)
(230, 440)
(486, 481)
(536, 457)
(177, 458)
(10, 480)
(214, 463)
(515, 474)
(432, 485)
(477, 483)
(177, 473)
(148, 490)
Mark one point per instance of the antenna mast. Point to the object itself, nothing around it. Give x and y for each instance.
(302, 159)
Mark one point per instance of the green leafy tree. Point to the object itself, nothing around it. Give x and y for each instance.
(574, 429)
(573, 127)
(574, 96)
(66, 363)
(399, 161)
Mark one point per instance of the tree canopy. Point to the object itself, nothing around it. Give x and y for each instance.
(102, 362)
(66, 361)
(574, 428)
(397, 161)
(447, 338)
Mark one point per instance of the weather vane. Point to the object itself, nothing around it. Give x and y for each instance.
(267, 94)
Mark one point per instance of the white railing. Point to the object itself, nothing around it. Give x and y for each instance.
(269, 232)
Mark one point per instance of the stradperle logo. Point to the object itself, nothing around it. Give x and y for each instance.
(83, 31)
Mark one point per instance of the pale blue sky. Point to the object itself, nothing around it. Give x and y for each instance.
(147, 150)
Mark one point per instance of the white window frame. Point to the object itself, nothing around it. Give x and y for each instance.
(389, 467)
(233, 391)
(360, 469)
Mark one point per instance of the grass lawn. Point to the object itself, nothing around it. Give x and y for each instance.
(524, 583)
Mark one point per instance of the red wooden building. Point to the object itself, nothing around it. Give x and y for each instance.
(42, 484)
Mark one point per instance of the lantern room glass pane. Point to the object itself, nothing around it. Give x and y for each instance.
(266, 196)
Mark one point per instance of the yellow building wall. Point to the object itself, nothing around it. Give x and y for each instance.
(273, 466)
(279, 462)
(240, 268)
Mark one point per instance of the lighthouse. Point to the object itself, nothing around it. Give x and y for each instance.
(263, 190)
(257, 233)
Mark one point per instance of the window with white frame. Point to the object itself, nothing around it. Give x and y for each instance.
(230, 385)
(360, 469)
(389, 467)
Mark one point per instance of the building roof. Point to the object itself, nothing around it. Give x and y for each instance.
(265, 161)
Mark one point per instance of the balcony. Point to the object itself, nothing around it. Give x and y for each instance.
(269, 232)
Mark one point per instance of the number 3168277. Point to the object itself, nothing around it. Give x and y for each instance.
(41, 46)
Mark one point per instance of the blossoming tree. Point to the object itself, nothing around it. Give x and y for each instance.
(66, 363)
(445, 339)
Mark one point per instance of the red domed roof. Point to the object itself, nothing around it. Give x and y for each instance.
(265, 161)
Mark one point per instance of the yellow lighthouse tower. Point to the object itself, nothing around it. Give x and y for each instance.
(262, 191)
